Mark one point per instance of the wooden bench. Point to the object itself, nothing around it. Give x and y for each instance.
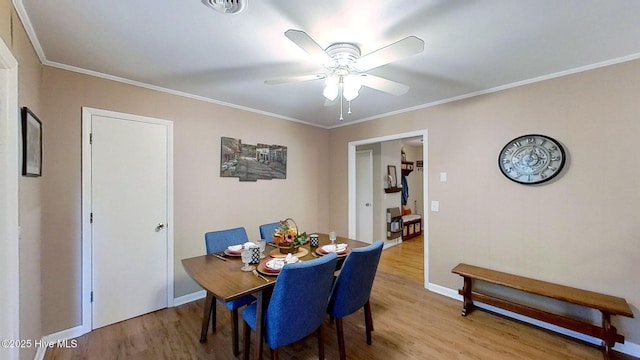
(411, 223)
(608, 305)
(411, 226)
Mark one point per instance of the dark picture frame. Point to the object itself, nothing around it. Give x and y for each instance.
(31, 144)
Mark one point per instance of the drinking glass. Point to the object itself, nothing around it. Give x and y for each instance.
(263, 245)
(246, 259)
(332, 237)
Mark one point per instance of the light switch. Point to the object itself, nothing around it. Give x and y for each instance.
(435, 205)
(443, 177)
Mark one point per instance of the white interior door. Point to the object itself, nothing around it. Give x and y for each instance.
(129, 212)
(364, 195)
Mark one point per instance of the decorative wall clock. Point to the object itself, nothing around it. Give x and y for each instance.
(531, 159)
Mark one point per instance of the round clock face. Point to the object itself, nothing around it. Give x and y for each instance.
(531, 159)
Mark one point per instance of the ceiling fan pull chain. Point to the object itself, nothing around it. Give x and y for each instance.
(349, 111)
(341, 101)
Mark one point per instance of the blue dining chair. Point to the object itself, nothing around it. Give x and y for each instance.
(297, 306)
(267, 230)
(352, 289)
(215, 242)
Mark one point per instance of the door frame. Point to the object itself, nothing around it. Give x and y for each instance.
(351, 162)
(9, 201)
(369, 179)
(87, 265)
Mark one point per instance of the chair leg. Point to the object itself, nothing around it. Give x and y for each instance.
(340, 332)
(234, 327)
(209, 306)
(274, 354)
(368, 321)
(320, 334)
(247, 341)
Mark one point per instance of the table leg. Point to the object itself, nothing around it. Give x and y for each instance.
(206, 315)
(259, 314)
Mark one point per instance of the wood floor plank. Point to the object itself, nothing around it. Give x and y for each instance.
(409, 321)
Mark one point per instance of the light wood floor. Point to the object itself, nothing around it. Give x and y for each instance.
(410, 323)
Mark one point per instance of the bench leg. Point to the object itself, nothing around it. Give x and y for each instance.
(609, 337)
(467, 305)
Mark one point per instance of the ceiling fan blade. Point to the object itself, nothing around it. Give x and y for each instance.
(408, 46)
(290, 79)
(382, 84)
(306, 43)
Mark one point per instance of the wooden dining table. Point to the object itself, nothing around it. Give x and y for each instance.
(223, 279)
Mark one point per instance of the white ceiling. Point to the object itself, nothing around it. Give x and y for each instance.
(471, 47)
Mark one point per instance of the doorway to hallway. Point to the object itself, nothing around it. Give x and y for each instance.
(352, 188)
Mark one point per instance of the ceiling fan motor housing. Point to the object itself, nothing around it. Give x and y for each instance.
(344, 55)
(227, 6)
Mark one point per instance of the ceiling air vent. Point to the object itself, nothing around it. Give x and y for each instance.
(227, 6)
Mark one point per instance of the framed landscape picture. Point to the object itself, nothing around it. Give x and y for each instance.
(249, 162)
(31, 144)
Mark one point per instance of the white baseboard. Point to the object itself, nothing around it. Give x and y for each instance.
(391, 243)
(450, 293)
(628, 348)
(185, 299)
(64, 337)
(61, 338)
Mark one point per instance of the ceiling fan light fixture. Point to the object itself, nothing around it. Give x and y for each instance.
(227, 6)
(352, 85)
(332, 87)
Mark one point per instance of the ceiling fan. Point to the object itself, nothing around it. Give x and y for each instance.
(347, 67)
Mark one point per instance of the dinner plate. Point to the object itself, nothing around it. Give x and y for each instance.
(273, 265)
(234, 250)
(335, 248)
(232, 253)
(264, 271)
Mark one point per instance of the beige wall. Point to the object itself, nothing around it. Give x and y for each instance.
(580, 230)
(389, 155)
(203, 200)
(30, 203)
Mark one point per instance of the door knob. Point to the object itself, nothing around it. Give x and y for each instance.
(160, 226)
(367, 204)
